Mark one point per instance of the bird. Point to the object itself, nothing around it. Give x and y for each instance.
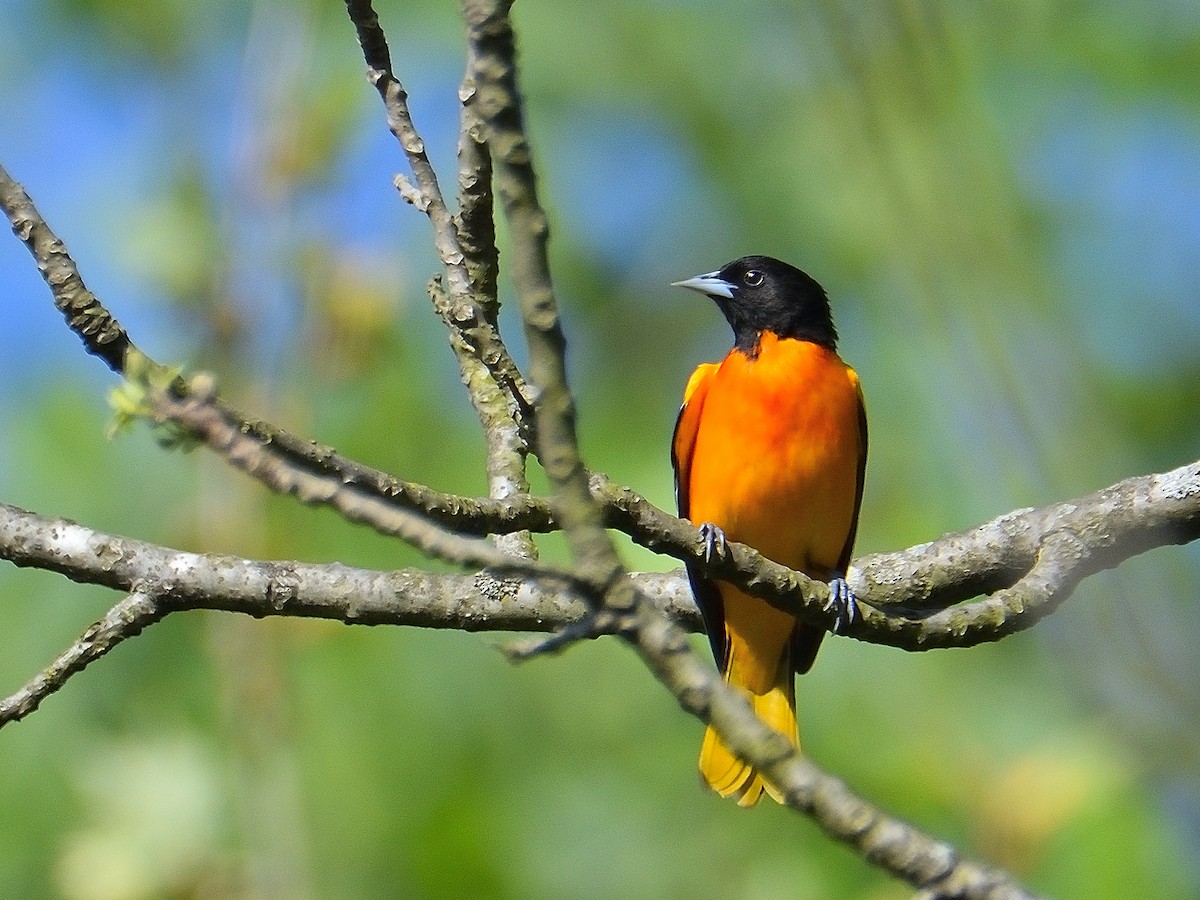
(769, 450)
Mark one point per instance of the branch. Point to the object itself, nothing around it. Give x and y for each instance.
(486, 603)
(211, 419)
(205, 420)
(476, 225)
(101, 334)
(467, 302)
(481, 354)
(1029, 561)
(125, 620)
(903, 850)
(663, 647)
(465, 515)
(488, 600)
(1164, 509)
(179, 580)
(507, 446)
(1033, 558)
(490, 38)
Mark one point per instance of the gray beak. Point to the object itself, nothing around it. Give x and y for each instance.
(711, 285)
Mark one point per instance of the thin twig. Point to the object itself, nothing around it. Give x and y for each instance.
(507, 447)
(101, 334)
(125, 620)
(466, 299)
(104, 336)
(476, 224)
(205, 420)
(466, 515)
(473, 336)
(597, 623)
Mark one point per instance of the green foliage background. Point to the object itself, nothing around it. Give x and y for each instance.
(1001, 199)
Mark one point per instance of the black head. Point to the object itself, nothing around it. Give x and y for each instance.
(758, 293)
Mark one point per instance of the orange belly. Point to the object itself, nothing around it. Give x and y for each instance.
(775, 462)
(775, 465)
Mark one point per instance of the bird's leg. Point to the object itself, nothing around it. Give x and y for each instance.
(842, 601)
(714, 541)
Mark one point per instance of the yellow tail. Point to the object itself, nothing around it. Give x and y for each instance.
(724, 772)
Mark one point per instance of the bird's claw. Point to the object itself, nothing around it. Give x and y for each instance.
(842, 602)
(714, 541)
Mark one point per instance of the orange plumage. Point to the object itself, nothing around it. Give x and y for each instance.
(770, 447)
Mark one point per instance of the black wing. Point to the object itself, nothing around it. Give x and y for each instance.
(708, 598)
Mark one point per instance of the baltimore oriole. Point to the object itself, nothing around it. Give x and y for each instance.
(769, 450)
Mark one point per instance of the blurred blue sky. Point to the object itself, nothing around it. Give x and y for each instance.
(94, 141)
(1127, 183)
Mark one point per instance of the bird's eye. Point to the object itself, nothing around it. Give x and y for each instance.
(753, 278)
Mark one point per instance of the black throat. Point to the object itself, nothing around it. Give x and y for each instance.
(810, 319)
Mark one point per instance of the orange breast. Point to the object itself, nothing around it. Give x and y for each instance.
(775, 461)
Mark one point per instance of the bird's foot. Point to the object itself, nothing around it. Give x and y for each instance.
(714, 541)
(842, 602)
